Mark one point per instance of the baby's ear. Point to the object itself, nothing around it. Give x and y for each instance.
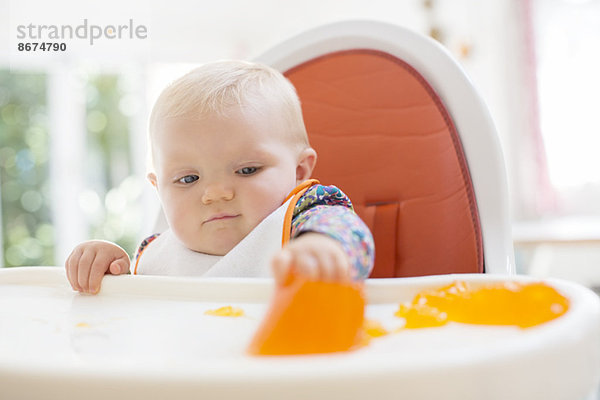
(152, 178)
(306, 163)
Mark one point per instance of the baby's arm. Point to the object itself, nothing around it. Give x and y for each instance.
(329, 240)
(90, 261)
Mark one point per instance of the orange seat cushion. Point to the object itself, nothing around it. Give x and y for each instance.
(384, 137)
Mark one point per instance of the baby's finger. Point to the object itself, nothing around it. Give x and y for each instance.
(71, 266)
(119, 266)
(100, 265)
(67, 272)
(281, 265)
(333, 262)
(83, 269)
(325, 267)
(342, 266)
(306, 264)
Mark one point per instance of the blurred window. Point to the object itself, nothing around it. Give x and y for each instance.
(111, 189)
(105, 185)
(567, 35)
(26, 230)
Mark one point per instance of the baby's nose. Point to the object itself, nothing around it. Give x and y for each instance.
(216, 192)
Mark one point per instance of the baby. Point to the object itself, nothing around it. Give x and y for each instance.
(228, 148)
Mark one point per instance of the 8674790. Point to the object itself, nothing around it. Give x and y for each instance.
(42, 46)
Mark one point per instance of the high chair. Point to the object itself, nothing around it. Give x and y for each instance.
(400, 128)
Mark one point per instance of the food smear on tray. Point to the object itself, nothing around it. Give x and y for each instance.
(226, 311)
(372, 329)
(506, 303)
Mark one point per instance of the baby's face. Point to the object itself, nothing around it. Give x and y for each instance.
(219, 177)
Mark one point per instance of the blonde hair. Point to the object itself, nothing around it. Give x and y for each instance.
(216, 87)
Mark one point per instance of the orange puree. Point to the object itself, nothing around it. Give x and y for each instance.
(509, 303)
(374, 329)
(371, 329)
(226, 311)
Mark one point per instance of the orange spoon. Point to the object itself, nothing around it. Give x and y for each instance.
(310, 316)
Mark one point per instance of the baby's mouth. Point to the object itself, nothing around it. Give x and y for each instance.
(220, 217)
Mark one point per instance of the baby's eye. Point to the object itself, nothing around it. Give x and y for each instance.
(188, 179)
(247, 170)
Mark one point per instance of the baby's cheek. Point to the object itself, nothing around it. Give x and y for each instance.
(265, 207)
(178, 207)
(174, 218)
(182, 221)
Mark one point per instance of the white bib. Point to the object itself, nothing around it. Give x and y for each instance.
(251, 257)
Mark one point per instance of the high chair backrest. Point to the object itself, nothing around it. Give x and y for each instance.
(399, 127)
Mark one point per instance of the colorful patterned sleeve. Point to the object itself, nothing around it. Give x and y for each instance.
(327, 210)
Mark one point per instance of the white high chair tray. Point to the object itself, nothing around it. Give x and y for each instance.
(148, 337)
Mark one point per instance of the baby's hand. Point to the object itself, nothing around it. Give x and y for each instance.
(313, 255)
(90, 260)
